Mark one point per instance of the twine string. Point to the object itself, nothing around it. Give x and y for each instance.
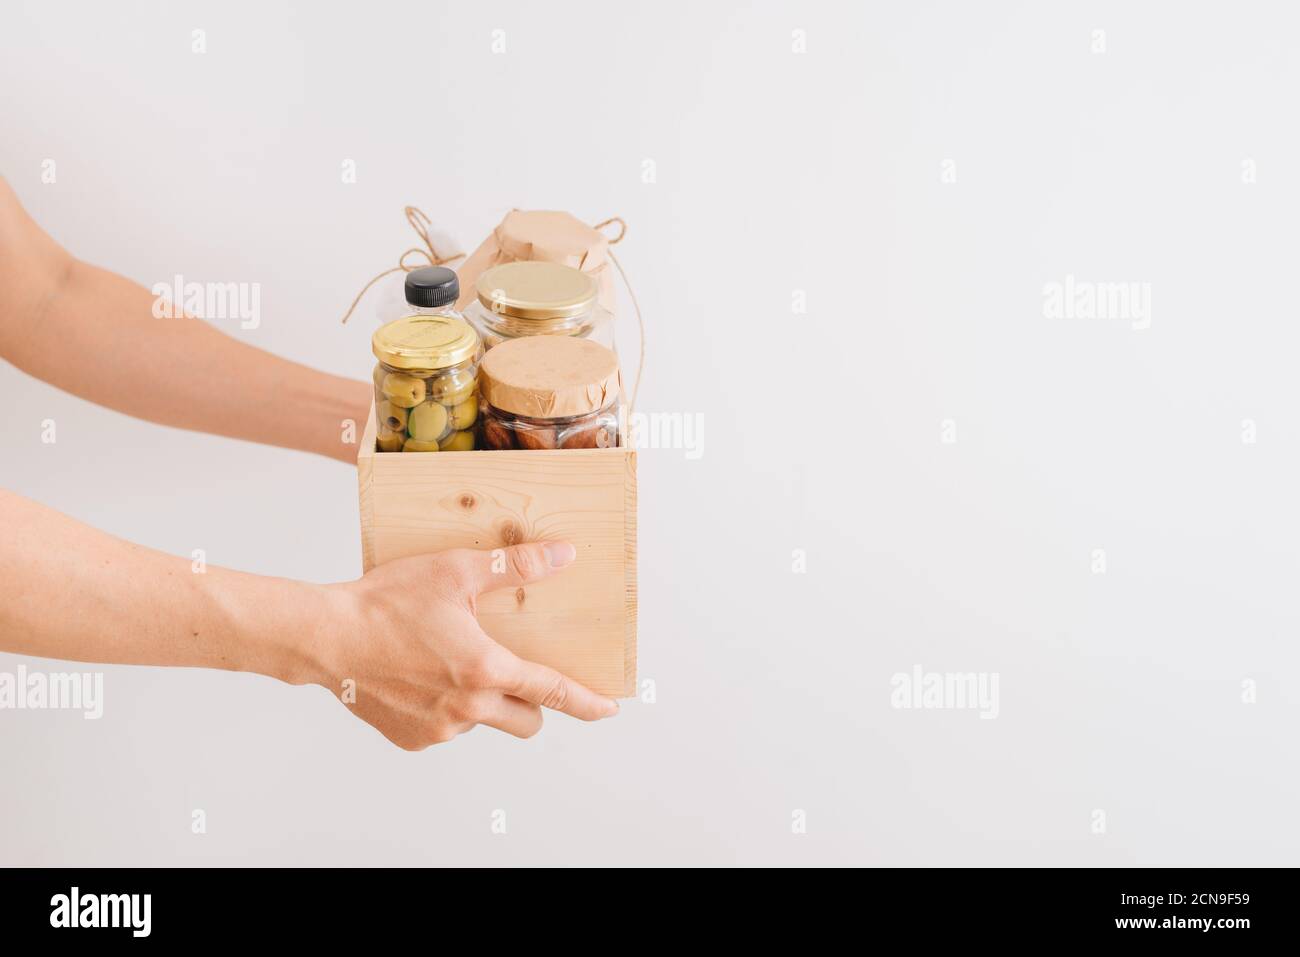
(636, 306)
(420, 222)
(622, 228)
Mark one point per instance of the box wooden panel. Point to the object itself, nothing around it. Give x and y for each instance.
(581, 622)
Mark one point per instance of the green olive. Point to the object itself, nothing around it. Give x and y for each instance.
(390, 441)
(415, 445)
(452, 388)
(403, 391)
(457, 442)
(427, 422)
(464, 414)
(391, 417)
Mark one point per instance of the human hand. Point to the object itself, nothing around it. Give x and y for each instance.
(424, 670)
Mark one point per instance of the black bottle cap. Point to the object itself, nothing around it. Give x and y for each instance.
(432, 286)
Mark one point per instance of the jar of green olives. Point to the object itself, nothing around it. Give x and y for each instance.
(550, 392)
(533, 298)
(426, 384)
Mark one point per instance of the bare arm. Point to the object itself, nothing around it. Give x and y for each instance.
(94, 334)
(420, 668)
(76, 593)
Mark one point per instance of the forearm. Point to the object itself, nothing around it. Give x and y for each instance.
(75, 593)
(185, 373)
(94, 334)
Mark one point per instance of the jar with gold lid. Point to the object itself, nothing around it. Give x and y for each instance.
(426, 384)
(531, 298)
(549, 392)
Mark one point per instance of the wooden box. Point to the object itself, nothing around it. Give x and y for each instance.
(582, 621)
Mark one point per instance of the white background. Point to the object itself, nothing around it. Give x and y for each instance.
(776, 171)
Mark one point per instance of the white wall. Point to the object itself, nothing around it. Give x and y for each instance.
(776, 171)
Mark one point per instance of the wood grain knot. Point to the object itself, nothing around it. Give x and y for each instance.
(519, 595)
(511, 534)
(467, 501)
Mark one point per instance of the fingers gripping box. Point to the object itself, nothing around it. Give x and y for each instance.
(581, 621)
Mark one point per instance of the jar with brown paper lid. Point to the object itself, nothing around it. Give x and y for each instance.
(426, 384)
(520, 299)
(550, 392)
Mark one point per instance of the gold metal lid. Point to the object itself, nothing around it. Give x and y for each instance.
(424, 342)
(536, 290)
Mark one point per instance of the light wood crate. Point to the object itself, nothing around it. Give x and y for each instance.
(582, 621)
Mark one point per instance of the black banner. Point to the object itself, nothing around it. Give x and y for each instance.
(211, 906)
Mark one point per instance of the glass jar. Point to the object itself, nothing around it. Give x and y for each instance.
(521, 299)
(426, 384)
(549, 392)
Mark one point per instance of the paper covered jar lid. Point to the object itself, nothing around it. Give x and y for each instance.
(550, 377)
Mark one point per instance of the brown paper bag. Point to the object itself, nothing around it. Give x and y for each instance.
(543, 236)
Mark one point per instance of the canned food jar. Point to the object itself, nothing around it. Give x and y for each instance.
(426, 384)
(521, 299)
(550, 392)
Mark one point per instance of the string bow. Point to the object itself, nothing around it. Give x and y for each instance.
(420, 222)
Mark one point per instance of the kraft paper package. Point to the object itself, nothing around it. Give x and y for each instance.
(545, 236)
